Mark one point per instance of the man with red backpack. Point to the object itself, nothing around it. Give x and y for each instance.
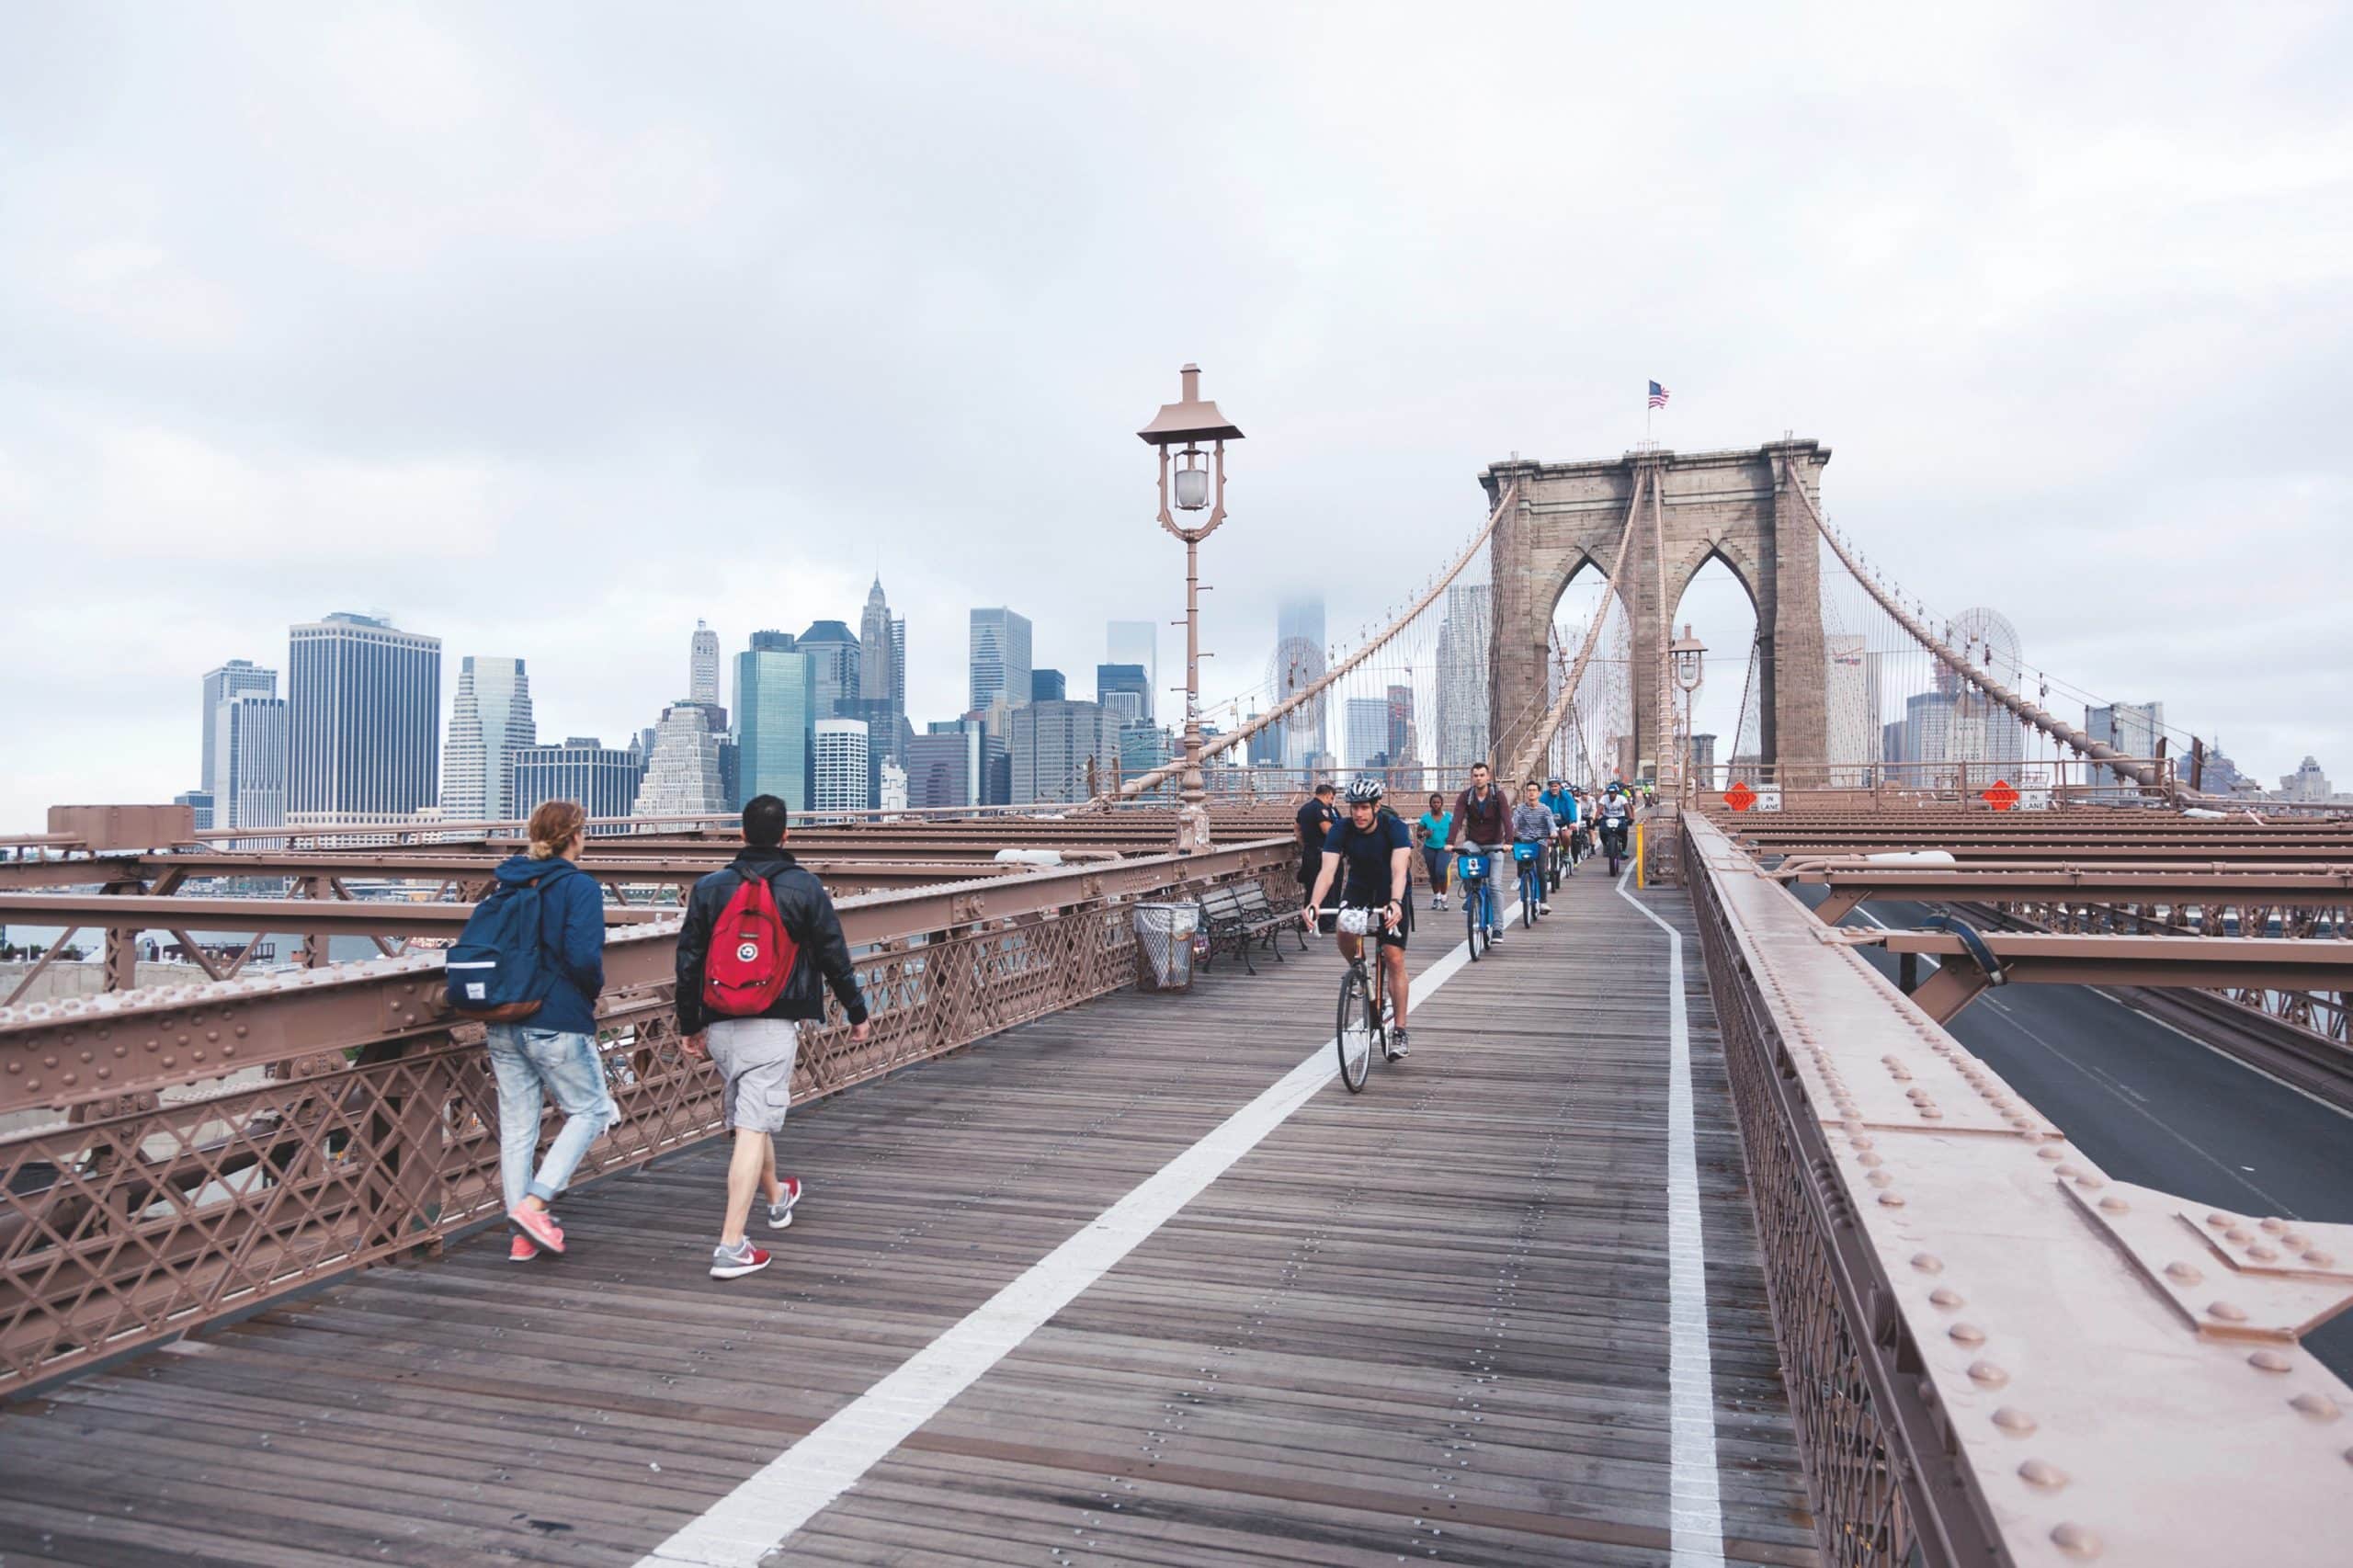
(757, 938)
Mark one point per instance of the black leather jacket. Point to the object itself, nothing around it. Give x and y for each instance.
(809, 918)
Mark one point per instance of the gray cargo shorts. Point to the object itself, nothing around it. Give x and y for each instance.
(755, 1056)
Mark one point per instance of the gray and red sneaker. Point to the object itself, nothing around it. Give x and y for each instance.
(538, 1225)
(781, 1211)
(734, 1263)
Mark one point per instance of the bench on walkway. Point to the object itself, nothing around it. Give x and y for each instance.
(1238, 916)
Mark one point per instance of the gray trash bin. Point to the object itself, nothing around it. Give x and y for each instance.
(1164, 946)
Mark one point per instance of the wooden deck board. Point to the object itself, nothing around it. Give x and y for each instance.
(1428, 1321)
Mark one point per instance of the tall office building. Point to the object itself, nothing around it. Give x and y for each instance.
(683, 776)
(490, 720)
(225, 685)
(1365, 732)
(702, 666)
(1061, 751)
(838, 767)
(878, 679)
(249, 744)
(839, 666)
(1136, 644)
(959, 764)
(1000, 659)
(776, 714)
(1405, 743)
(1125, 689)
(2131, 728)
(603, 779)
(1463, 652)
(363, 714)
(2307, 784)
(199, 801)
(1300, 658)
(899, 665)
(1048, 685)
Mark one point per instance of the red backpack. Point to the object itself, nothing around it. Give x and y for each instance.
(751, 954)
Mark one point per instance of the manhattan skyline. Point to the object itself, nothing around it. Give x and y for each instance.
(441, 324)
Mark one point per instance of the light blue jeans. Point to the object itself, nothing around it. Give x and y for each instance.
(566, 1066)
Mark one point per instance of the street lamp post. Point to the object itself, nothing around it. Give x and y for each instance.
(1198, 484)
(1688, 653)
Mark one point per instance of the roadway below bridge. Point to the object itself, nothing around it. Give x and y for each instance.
(1138, 1282)
(2153, 1105)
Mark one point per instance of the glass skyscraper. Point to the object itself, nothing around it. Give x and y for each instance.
(839, 666)
(221, 686)
(490, 720)
(249, 751)
(776, 714)
(1000, 659)
(602, 778)
(363, 709)
(1136, 643)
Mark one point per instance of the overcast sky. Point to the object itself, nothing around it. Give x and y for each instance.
(548, 329)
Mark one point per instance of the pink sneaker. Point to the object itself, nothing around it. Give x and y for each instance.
(522, 1250)
(538, 1225)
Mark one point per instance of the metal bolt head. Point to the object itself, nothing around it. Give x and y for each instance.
(2228, 1311)
(2269, 1361)
(1988, 1375)
(2043, 1474)
(1927, 1263)
(1945, 1296)
(2182, 1273)
(2077, 1540)
(1967, 1333)
(2014, 1421)
(2319, 1407)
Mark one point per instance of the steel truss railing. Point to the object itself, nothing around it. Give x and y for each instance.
(1994, 1352)
(183, 1153)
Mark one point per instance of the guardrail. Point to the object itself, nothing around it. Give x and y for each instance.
(185, 1152)
(1994, 1351)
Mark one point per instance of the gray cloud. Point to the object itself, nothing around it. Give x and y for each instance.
(553, 327)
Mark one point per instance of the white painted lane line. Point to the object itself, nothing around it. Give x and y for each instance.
(750, 1522)
(1695, 1511)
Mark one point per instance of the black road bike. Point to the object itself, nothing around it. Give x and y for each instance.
(1363, 1023)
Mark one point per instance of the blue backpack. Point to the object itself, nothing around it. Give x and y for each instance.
(497, 973)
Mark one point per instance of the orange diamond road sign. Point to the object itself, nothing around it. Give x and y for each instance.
(2002, 796)
(1740, 797)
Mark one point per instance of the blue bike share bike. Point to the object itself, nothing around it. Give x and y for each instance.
(1529, 857)
(1471, 869)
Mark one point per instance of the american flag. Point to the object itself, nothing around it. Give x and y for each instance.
(1658, 395)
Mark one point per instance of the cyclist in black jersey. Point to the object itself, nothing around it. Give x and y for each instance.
(1368, 856)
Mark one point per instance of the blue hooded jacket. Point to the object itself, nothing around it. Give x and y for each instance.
(571, 941)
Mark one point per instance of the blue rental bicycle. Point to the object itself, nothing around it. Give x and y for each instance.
(1529, 857)
(1471, 867)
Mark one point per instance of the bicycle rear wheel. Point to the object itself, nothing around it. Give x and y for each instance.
(1353, 1032)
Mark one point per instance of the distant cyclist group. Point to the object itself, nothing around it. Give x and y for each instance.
(1355, 860)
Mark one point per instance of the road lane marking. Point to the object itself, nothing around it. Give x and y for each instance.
(1695, 1510)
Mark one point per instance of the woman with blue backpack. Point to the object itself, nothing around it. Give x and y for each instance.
(530, 963)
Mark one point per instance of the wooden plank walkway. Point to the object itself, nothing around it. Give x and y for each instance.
(1428, 1323)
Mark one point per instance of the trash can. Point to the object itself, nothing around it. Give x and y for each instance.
(1164, 946)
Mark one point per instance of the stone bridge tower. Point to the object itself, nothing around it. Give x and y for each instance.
(1733, 505)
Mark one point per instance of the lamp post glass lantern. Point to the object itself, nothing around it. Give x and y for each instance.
(1196, 484)
(1688, 656)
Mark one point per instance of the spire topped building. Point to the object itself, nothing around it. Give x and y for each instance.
(702, 667)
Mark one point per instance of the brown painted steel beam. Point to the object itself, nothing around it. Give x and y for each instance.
(295, 916)
(2269, 963)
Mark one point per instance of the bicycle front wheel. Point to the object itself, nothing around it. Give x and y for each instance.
(1531, 893)
(1352, 1033)
(1475, 918)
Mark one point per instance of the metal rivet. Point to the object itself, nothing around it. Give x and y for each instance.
(2274, 1226)
(2319, 1407)
(2238, 1235)
(2076, 1540)
(1987, 1374)
(2269, 1361)
(1880, 1178)
(2114, 1205)
(1967, 1333)
(2320, 1259)
(2066, 1172)
(2183, 1273)
(2262, 1253)
(1927, 1263)
(2043, 1474)
(2014, 1421)
(1930, 1113)
(1867, 1161)
(1891, 1199)
(2229, 1311)
(1945, 1296)
(2050, 1152)
(2220, 1221)
(2091, 1181)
